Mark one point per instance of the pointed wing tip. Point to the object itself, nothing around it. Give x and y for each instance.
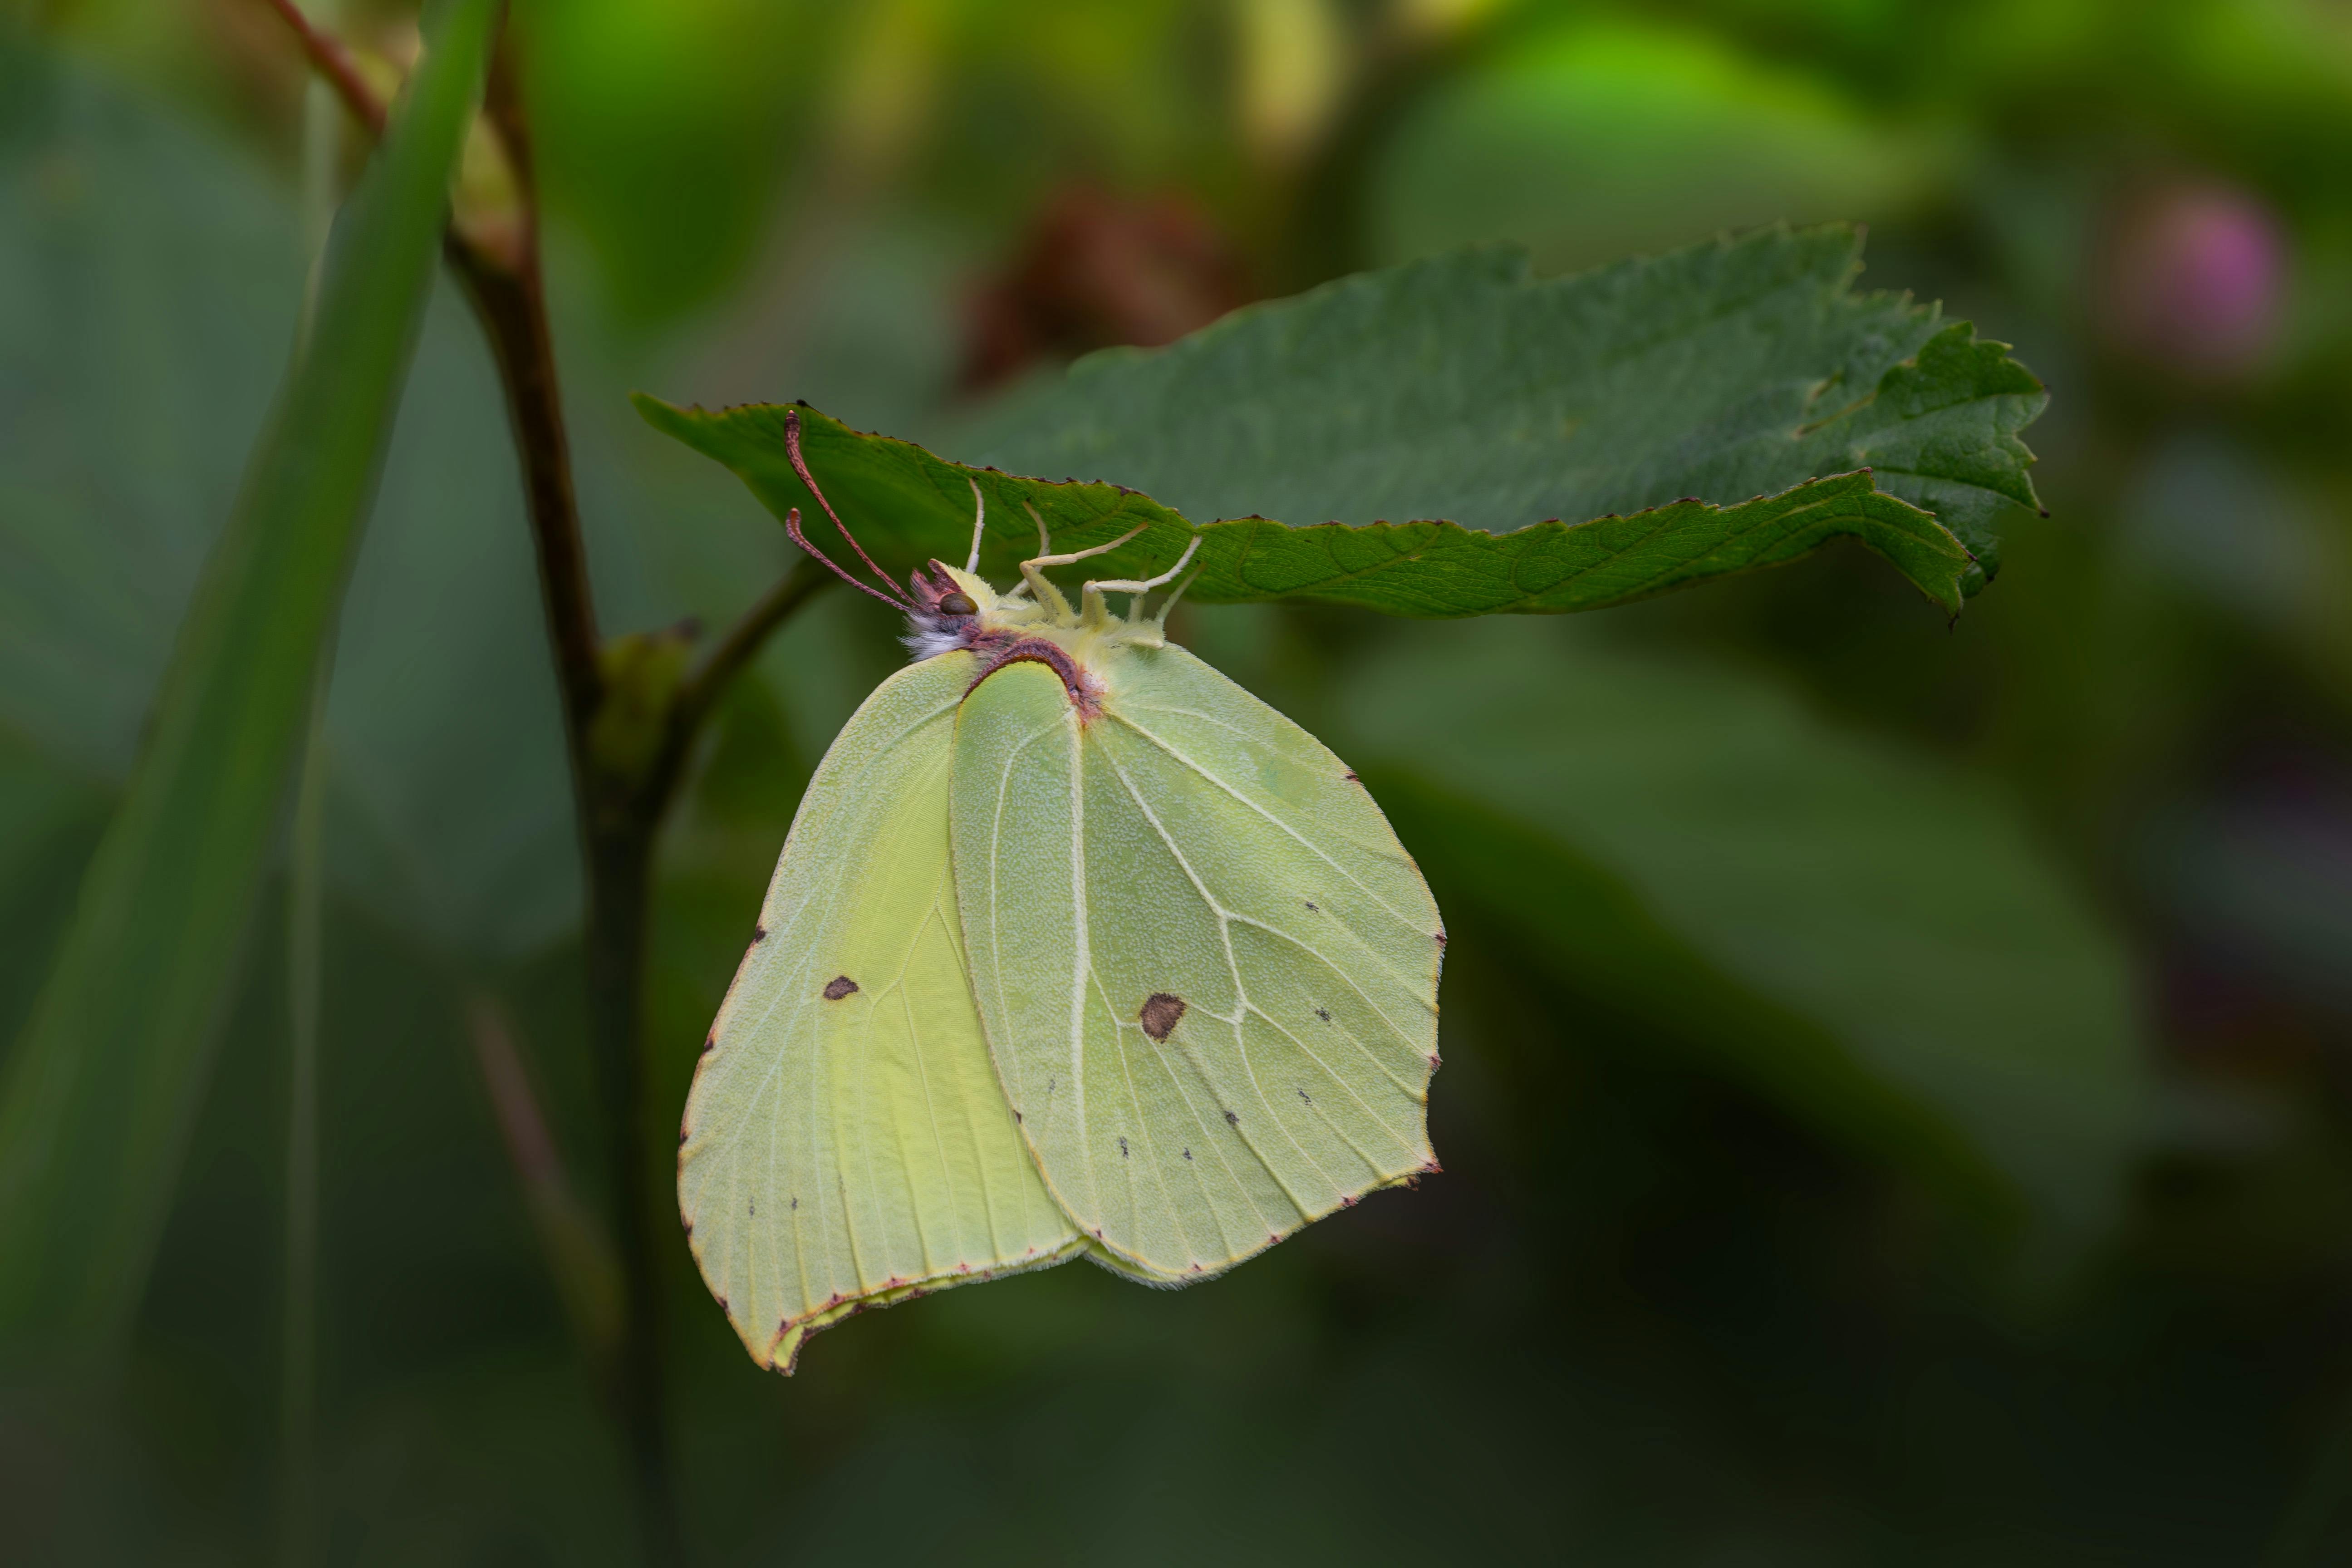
(783, 1351)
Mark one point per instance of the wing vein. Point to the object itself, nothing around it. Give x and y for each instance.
(1287, 831)
(1349, 980)
(1241, 988)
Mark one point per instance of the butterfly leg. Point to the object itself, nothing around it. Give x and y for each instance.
(1095, 590)
(1033, 572)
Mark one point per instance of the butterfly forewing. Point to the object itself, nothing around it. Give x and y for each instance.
(1206, 967)
(846, 1144)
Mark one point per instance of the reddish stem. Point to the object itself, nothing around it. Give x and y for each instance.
(332, 59)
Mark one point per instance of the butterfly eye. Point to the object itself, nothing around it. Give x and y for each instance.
(958, 604)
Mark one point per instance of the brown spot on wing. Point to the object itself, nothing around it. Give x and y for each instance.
(1160, 1015)
(837, 987)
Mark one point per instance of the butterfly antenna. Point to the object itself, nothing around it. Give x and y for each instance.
(800, 466)
(979, 521)
(793, 532)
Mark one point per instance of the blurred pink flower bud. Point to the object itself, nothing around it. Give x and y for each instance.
(2194, 280)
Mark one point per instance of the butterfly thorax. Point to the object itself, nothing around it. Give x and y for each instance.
(1032, 622)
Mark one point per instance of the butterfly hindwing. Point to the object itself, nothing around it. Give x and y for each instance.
(1205, 966)
(845, 1143)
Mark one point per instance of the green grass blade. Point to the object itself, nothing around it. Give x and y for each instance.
(104, 1083)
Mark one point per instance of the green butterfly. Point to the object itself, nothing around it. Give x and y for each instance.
(1076, 948)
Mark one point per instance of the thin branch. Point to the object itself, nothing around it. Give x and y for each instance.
(744, 639)
(509, 296)
(706, 682)
(332, 58)
(513, 312)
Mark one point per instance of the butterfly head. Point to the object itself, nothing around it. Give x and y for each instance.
(948, 609)
(952, 609)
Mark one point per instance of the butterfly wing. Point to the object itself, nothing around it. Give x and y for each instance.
(845, 1144)
(1207, 969)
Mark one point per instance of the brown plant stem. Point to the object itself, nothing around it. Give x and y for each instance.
(620, 812)
(332, 60)
(510, 297)
(703, 685)
(508, 293)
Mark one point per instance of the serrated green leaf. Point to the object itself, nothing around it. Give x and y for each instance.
(1442, 570)
(1463, 387)
(104, 1084)
(906, 506)
(1703, 414)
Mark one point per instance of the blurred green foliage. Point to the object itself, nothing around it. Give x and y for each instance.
(1867, 938)
(1603, 136)
(1794, 935)
(109, 1070)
